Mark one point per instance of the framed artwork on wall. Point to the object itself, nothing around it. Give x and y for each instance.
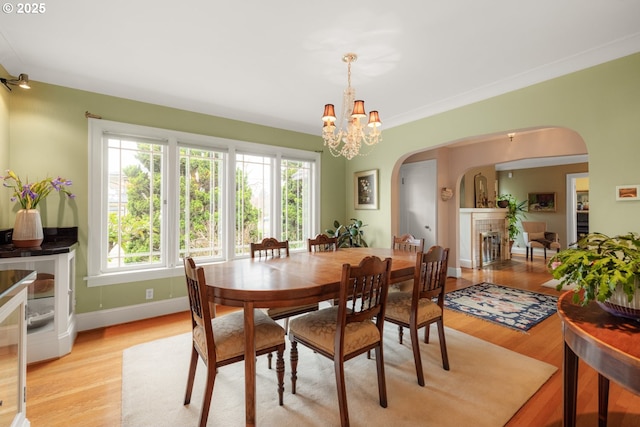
(365, 185)
(627, 192)
(541, 202)
(481, 191)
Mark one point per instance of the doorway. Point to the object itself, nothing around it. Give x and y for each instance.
(418, 203)
(576, 183)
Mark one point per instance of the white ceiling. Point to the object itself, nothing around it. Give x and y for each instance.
(278, 62)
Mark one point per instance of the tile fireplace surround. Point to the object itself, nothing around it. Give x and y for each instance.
(474, 222)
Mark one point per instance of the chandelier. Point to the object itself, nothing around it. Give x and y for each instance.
(348, 141)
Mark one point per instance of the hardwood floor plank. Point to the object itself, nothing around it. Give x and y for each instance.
(83, 388)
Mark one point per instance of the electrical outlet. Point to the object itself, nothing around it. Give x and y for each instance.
(150, 293)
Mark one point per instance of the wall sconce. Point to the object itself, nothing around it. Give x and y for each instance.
(446, 194)
(511, 135)
(22, 81)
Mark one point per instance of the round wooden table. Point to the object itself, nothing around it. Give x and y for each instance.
(609, 344)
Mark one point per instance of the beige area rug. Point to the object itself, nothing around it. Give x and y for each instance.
(486, 385)
(555, 282)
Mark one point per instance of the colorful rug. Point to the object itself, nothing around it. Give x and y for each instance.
(514, 308)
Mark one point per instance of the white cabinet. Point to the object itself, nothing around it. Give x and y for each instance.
(13, 372)
(50, 319)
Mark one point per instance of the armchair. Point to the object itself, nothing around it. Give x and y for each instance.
(535, 235)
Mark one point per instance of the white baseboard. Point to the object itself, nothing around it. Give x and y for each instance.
(454, 272)
(115, 316)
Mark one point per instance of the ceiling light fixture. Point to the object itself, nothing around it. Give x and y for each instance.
(347, 142)
(22, 81)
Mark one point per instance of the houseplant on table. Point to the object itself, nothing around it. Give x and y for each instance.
(604, 269)
(515, 211)
(349, 235)
(27, 229)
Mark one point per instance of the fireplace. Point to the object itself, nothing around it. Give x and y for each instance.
(484, 237)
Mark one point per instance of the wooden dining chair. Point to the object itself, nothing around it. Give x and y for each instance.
(322, 243)
(416, 309)
(407, 243)
(219, 341)
(270, 248)
(351, 328)
(273, 248)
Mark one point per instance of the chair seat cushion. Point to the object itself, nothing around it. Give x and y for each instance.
(228, 334)
(399, 308)
(319, 328)
(282, 312)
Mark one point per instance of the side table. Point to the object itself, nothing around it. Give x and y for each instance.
(609, 344)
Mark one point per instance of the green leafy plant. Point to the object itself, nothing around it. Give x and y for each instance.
(515, 212)
(349, 235)
(30, 194)
(597, 264)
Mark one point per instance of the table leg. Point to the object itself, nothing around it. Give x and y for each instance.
(603, 400)
(249, 365)
(570, 386)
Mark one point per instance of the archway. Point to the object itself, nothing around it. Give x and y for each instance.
(458, 156)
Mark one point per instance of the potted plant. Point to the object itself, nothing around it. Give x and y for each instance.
(27, 230)
(604, 269)
(349, 235)
(515, 211)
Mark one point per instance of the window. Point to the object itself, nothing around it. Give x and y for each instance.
(296, 201)
(156, 195)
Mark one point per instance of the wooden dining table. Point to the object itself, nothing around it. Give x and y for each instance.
(301, 278)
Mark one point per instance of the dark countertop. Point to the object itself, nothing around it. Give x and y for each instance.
(56, 241)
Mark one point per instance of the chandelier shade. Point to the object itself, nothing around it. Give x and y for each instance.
(347, 138)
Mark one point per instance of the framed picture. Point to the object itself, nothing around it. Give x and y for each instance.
(480, 187)
(628, 192)
(365, 185)
(541, 202)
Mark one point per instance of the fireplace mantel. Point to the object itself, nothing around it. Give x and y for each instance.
(474, 221)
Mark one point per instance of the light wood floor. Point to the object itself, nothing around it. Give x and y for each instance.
(84, 387)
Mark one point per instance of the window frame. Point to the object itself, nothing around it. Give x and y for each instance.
(174, 140)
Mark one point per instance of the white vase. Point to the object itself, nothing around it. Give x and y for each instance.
(27, 229)
(618, 303)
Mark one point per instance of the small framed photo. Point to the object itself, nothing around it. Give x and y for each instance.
(365, 185)
(627, 192)
(542, 202)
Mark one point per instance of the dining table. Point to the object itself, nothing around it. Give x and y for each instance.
(299, 279)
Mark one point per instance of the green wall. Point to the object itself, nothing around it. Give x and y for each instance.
(4, 144)
(48, 134)
(601, 104)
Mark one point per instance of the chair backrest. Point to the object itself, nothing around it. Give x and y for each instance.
(431, 274)
(270, 248)
(363, 292)
(407, 243)
(322, 243)
(201, 314)
(533, 230)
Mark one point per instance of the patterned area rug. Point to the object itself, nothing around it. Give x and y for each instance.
(514, 308)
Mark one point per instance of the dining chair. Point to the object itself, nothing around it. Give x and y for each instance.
(269, 248)
(406, 243)
(322, 243)
(351, 328)
(219, 341)
(416, 309)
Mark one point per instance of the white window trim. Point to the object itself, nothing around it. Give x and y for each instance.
(98, 162)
